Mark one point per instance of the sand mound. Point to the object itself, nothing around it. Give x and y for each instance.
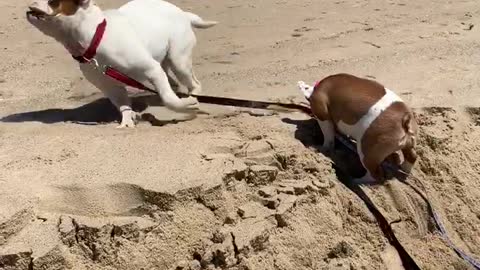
(240, 197)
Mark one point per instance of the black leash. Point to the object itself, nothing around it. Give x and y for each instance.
(245, 103)
(407, 260)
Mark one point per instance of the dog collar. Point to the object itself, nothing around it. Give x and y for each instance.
(89, 54)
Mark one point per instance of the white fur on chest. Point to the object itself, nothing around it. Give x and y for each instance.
(357, 130)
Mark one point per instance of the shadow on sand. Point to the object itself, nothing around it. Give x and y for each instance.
(99, 111)
(310, 135)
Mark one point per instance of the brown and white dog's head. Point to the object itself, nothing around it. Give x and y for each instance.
(55, 17)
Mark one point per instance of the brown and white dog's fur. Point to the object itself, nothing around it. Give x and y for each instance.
(379, 121)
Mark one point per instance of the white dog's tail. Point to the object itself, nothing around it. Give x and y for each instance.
(198, 22)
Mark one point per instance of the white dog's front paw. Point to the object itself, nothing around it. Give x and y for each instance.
(129, 119)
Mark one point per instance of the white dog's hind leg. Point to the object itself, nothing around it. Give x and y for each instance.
(159, 79)
(166, 65)
(180, 57)
(182, 67)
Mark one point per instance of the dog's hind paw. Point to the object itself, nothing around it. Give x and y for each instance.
(190, 104)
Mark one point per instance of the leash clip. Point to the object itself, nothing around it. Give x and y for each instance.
(95, 64)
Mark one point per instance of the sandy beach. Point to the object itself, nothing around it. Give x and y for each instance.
(238, 189)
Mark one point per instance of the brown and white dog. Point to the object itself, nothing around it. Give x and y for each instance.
(380, 122)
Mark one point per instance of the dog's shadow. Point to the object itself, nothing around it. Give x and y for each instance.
(99, 111)
(346, 163)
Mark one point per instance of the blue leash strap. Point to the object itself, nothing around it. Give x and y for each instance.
(441, 228)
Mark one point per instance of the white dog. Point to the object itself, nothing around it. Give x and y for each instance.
(142, 39)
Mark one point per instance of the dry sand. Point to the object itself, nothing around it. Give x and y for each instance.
(231, 190)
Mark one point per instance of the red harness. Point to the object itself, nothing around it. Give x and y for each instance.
(89, 56)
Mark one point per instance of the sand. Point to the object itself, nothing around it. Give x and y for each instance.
(232, 189)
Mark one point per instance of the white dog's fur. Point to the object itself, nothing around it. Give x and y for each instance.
(143, 38)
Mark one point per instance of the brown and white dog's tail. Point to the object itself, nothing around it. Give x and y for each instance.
(198, 22)
(306, 89)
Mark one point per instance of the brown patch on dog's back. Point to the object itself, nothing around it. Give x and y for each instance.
(64, 7)
(349, 97)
